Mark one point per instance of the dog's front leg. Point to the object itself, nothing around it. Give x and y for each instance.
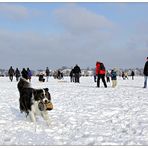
(46, 117)
(33, 119)
(32, 116)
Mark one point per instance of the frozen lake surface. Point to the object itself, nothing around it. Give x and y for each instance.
(83, 114)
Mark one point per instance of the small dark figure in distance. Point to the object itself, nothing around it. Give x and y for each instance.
(47, 73)
(59, 75)
(41, 77)
(29, 74)
(132, 74)
(145, 72)
(108, 76)
(72, 76)
(11, 73)
(17, 74)
(77, 73)
(123, 75)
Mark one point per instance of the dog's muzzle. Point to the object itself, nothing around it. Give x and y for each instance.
(45, 106)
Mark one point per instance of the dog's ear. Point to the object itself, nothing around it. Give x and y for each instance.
(46, 89)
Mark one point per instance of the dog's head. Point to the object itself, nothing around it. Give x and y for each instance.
(43, 96)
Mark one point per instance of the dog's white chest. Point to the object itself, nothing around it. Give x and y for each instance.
(35, 108)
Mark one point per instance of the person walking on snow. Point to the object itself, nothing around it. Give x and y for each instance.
(114, 78)
(100, 72)
(11, 73)
(17, 74)
(29, 74)
(24, 74)
(132, 74)
(47, 73)
(72, 77)
(77, 73)
(145, 72)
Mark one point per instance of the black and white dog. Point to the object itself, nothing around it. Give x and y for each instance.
(34, 101)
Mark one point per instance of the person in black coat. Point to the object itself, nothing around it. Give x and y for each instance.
(24, 74)
(17, 74)
(132, 74)
(77, 73)
(145, 72)
(11, 73)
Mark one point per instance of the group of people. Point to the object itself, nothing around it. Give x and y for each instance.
(58, 75)
(75, 74)
(101, 72)
(25, 73)
(41, 75)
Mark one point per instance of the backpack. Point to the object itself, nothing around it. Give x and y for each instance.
(102, 67)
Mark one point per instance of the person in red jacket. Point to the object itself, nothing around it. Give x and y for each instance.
(100, 72)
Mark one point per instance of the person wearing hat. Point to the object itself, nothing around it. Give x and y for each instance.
(145, 72)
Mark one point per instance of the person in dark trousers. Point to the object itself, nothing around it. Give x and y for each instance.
(47, 73)
(17, 74)
(11, 73)
(95, 78)
(132, 74)
(29, 74)
(24, 74)
(94, 75)
(123, 75)
(72, 77)
(145, 72)
(100, 72)
(77, 73)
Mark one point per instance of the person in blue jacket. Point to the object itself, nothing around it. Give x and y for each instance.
(29, 74)
(114, 78)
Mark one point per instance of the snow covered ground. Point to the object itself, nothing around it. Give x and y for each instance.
(83, 114)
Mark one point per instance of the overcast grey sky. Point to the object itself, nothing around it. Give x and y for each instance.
(38, 35)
